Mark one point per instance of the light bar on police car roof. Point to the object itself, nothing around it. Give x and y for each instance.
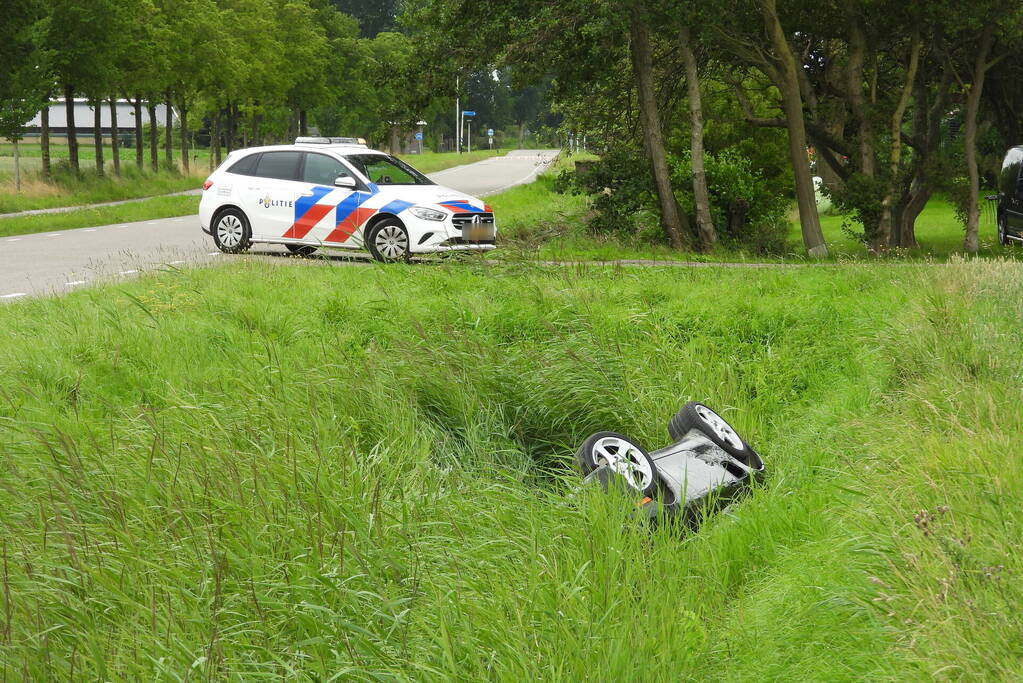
(329, 141)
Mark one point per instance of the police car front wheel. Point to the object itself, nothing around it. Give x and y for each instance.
(231, 232)
(388, 241)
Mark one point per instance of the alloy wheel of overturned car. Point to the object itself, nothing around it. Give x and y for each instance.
(231, 233)
(389, 242)
(619, 454)
(698, 416)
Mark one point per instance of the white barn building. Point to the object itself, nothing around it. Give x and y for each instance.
(84, 118)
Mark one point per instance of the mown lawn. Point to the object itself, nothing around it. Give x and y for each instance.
(339, 473)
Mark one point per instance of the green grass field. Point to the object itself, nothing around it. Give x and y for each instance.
(145, 210)
(552, 226)
(265, 471)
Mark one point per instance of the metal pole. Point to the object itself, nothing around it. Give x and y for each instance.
(458, 120)
(468, 136)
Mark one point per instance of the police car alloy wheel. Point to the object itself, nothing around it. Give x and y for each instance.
(389, 242)
(622, 456)
(231, 232)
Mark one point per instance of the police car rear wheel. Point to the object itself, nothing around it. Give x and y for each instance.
(231, 232)
(301, 249)
(1003, 238)
(388, 241)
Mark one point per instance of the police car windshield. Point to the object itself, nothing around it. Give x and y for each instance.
(382, 169)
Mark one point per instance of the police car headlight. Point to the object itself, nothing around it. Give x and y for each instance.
(427, 214)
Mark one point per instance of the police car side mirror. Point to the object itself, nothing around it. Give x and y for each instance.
(345, 181)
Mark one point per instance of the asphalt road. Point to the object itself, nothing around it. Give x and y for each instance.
(57, 262)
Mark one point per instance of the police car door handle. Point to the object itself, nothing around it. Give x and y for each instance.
(306, 194)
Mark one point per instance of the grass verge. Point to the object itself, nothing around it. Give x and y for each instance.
(201, 478)
(431, 162)
(68, 190)
(145, 210)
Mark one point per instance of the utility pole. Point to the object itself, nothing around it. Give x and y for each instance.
(458, 120)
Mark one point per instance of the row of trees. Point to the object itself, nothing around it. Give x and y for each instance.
(247, 71)
(867, 85)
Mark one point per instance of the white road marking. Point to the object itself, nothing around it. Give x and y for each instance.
(179, 220)
(56, 234)
(75, 283)
(213, 253)
(12, 296)
(14, 239)
(174, 263)
(128, 272)
(89, 230)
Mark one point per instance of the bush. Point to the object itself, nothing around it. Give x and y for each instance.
(748, 209)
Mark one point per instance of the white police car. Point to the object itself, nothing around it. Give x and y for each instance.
(334, 192)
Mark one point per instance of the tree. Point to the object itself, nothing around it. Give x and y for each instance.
(23, 76)
(79, 37)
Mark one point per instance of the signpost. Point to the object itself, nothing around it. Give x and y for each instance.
(468, 135)
(490, 136)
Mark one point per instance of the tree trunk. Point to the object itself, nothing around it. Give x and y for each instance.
(72, 133)
(642, 62)
(215, 141)
(168, 131)
(97, 134)
(232, 125)
(44, 139)
(980, 67)
(787, 81)
(140, 143)
(115, 145)
(303, 122)
(154, 138)
(522, 134)
(704, 221)
(895, 153)
(17, 165)
(393, 142)
(183, 117)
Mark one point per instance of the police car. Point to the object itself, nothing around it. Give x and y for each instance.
(335, 192)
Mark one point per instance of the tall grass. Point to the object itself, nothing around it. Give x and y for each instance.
(338, 473)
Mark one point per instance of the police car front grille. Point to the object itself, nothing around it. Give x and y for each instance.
(463, 220)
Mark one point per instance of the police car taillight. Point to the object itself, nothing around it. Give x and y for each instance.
(207, 185)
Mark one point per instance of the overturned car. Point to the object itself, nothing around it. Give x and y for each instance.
(706, 467)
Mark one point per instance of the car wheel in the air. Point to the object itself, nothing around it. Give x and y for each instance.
(621, 455)
(698, 416)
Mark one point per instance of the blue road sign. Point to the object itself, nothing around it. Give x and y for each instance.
(468, 113)
(490, 132)
(419, 136)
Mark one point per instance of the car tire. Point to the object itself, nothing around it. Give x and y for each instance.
(301, 249)
(388, 241)
(231, 232)
(1003, 237)
(623, 456)
(698, 416)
